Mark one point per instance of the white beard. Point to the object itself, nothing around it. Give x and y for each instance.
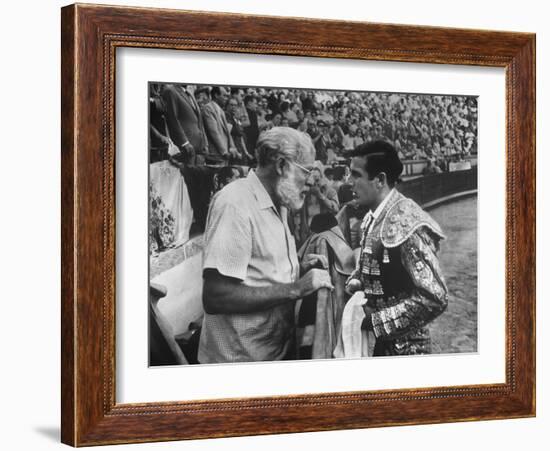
(288, 193)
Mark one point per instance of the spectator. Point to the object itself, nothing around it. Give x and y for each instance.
(184, 121)
(338, 177)
(276, 119)
(221, 145)
(252, 130)
(321, 198)
(431, 168)
(202, 95)
(322, 142)
(308, 103)
(358, 138)
(237, 132)
(159, 141)
(347, 140)
(329, 175)
(241, 113)
(288, 113)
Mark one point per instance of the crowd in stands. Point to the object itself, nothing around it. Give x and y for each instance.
(229, 120)
(210, 134)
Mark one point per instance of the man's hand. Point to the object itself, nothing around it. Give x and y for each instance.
(173, 150)
(188, 149)
(313, 280)
(353, 284)
(188, 152)
(367, 322)
(315, 191)
(313, 261)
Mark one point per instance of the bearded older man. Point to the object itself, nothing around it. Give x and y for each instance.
(250, 269)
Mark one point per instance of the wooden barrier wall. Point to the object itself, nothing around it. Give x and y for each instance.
(427, 190)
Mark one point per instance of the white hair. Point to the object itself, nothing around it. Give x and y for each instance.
(282, 141)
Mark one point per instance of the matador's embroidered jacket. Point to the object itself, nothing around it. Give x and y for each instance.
(399, 271)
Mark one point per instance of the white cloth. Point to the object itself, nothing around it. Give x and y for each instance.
(370, 217)
(173, 149)
(169, 184)
(354, 342)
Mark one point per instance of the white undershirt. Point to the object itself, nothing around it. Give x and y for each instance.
(370, 217)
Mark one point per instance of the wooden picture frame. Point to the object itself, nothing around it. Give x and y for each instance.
(90, 36)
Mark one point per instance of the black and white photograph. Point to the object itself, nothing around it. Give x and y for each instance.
(296, 224)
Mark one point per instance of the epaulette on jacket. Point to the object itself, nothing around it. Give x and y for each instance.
(404, 217)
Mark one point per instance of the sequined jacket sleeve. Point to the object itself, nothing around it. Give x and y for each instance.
(428, 297)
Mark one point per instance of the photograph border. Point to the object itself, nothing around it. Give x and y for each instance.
(90, 36)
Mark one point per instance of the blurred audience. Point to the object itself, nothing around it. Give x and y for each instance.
(210, 133)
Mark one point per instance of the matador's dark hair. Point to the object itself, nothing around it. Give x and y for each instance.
(381, 156)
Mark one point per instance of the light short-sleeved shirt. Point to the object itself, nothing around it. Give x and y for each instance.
(246, 238)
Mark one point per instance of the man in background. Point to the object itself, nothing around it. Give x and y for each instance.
(237, 94)
(220, 142)
(184, 121)
(237, 132)
(252, 130)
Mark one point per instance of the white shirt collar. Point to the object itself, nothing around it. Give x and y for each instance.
(383, 204)
(261, 194)
(371, 216)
